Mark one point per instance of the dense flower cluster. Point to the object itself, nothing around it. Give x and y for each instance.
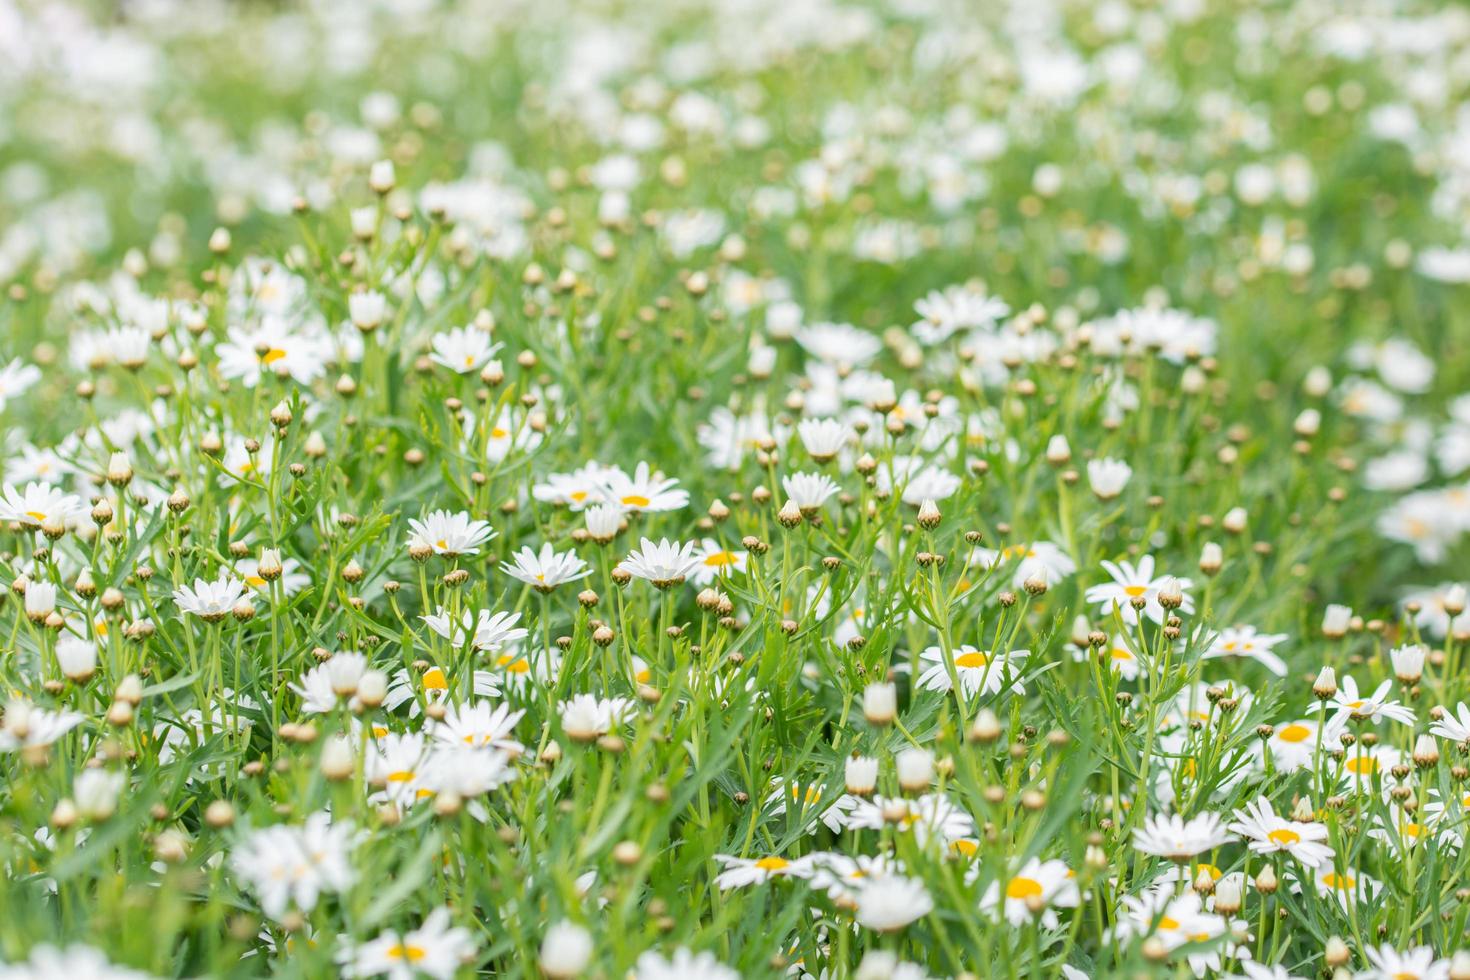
(820, 489)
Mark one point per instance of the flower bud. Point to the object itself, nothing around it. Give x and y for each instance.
(1426, 752)
(986, 727)
(119, 470)
(1325, 686)
(338, 760)
(880, 703)
(1227, 895)
(1211, 558)
(861, 773)
(915, 769)
(1234, 520)
(1336, 620)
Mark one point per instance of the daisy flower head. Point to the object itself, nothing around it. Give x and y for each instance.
(1040, 886)
(79, 961)
(367, 309)
(1175, 921)
(1408, 662)
(933, 816)
(1401, 831)
(716, 561)
(841, 875)
(584, 487)
(1266, 833)
(977, 670)
(1264, 971)
(436, 949)
(1349, 703)
(604, 522)
(1294, 744)
(467, 771)
(1135, 588)
(483, 630)
(430, 686)
(273, 348)
(1244, 641)
(16, 378)
(40, 505)
(1419, 963)
(1117, 653)
(1454, 727)
(809, 491)
(665, 564)
(1171, 836)
(566, 950)
(1361, 764)
(480, 726)
(1435, 608)
(1036, 559)
(26, 726)
(210, 601)
(839, 343)
(544, 570)
(682, 965)
(1107, 477)
(463, 349)
(287, 865)
(918, 480)
(1347, 885)
(586, 717)
(646, 490)
(740, 872)
(956, 308)
(444, 533)
(825, 438)
(506, 432)
(892, 902)
(397, 763)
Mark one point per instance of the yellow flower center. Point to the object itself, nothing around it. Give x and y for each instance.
(434, 680)
(634, 500)
(1168, 923)
(1134, 591)
(1341, 882)
(720, 559)
(1294, 733)
(1284, 837)
(36, 515)
(1362, 765)
(401, 776)
(975, 659)
(1023, 888)
(410, 953)
(273, 355)
(772, 863)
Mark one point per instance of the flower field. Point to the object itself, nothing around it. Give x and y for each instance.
(700, 489)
